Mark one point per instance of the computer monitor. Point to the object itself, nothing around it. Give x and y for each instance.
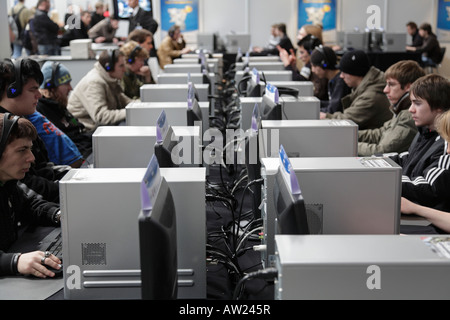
(124, 11)
(193, 112)
(394, 42)
(236, 41)
(270, 110)
(290, 210)
(255, 88)
(355, 41)
(163, 150)
(158, 247)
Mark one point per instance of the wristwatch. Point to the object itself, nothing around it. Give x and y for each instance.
(57, 217)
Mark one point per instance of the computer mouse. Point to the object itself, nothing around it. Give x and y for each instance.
(58, 272)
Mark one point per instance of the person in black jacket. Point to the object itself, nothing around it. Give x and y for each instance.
(55, 91)
(17, 207)
(74, 32)
(19, 87)
(324, 65)
(426, 164)
(45, 30)
(142, 19)
(430, 48)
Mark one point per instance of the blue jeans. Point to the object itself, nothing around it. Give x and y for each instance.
(49, 49)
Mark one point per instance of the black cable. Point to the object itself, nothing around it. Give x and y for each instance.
(267, 274)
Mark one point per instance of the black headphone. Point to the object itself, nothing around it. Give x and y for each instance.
(8, 126)
(15, 89)
(50, 83)
(324, 63)
(132, 56)
(109, 66)
(172, 29)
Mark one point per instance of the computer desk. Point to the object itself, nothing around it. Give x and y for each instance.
(29, 287)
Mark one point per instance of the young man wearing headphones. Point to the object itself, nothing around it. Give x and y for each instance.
(172, 46)
(98, 99)
(19, 209)
(323, 65)
(137, 72)
(19, 87)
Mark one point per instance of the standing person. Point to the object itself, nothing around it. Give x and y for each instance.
(430, 48)
(98, 99)
(135, 69)
(324, 65)
(425, 166)
(19, 84)
(45, 30)
(24, 15)
(366, 105)
(17, 207)
(97, 15)
(396, 134)
(413, 31)
(172, 46)
(142, 19)
(55, 91)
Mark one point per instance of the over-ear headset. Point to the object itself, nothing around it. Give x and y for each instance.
(51, 83)
(324, 63)
(8, 126)
(132, 56)
(171, 31)
(109, 66)
(15, 88)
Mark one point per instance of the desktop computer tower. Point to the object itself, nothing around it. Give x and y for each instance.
(133, 146)
(343, 195)
(146, 113)
(292, 108)
(101, 238)
(362, 267)
(310, 138)
(172, 92)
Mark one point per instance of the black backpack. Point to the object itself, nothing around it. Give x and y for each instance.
(16, 16)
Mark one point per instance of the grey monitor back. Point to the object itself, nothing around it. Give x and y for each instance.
(236, 41)
(356, 40)
(394, 42)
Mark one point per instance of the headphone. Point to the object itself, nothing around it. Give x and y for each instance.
(324, 63)
(15, 89)
(132, 56)
(8, 126)
(172, 29)
(109, 66)
(50, 83)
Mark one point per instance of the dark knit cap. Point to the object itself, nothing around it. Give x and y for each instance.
(355, 63)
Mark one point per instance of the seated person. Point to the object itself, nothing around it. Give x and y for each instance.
(425, 167)
(60, 149)
(323, 65)
(105, 31)
(20, 83)
(137, 73)
(430, 48)
(367, 104)
(98, 99)
(284, 42)
(440, 220)
(274, 40)
(396, 134)
(55, 91)
(19, 208)
(413, 31)
(172, 46)
(305, 48)
(75, 32)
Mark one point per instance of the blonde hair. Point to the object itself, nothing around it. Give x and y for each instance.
(128, 47)
(443, 125)
(314, 30)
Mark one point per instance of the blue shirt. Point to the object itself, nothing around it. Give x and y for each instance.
(60, 148)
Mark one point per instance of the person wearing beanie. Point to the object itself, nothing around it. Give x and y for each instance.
(366, 105)
(53, 104)
(396, 134)
(324, 65)
(61, 149)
